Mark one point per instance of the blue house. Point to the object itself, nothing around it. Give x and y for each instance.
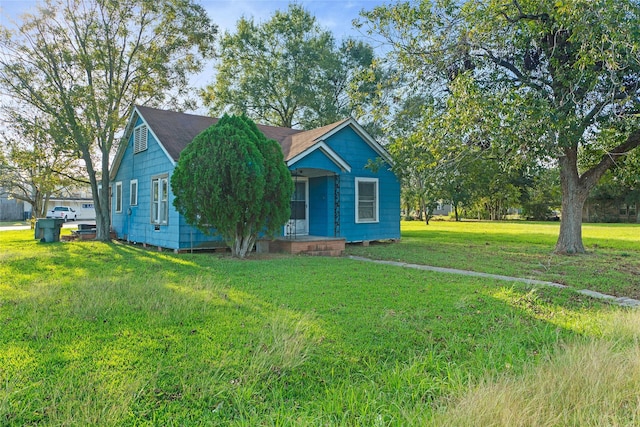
(336, 198)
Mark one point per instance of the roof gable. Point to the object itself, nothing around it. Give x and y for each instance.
(326, 150)
(295, 146)
(175, 130)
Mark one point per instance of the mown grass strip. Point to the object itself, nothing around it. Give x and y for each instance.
(521, 249)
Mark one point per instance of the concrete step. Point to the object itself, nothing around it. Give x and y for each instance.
(328, 252)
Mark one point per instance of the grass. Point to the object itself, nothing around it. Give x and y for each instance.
(523, 249)
(586, 383)
(110, 334)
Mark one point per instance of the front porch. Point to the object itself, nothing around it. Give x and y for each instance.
(309, 245)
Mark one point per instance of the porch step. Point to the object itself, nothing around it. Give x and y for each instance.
(309, 245)
(323, 253)
(323, 250)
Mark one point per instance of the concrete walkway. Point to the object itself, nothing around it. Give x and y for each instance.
(622, 301)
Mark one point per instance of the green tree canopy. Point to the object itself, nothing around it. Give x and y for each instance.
(288, 72)
(81, 64)
(243, 192)
(552, 76)
(34, 166)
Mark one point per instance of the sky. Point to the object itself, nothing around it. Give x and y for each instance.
(333, 15)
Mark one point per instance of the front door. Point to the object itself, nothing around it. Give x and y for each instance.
(299, 222)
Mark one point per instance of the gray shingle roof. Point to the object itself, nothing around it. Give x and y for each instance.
(296, 143)
(176, 130)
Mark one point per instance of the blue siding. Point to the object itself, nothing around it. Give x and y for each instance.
(357, 152)
(134, 222)
(191, 237)
(316, 160)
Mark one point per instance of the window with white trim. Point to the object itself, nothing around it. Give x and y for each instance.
(133, 192)
(160, 200)
(118, 197)
(140, 138)
(367, 200)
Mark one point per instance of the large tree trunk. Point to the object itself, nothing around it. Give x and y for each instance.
(576, 188)
(574, 194)
(102, 203)
(100, 189)
(573, 198)
(103, 220)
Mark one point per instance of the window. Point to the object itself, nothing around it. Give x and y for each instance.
(632, 209)
(133, 192)
(118, 197)
(140, 138)
(87, 206)
(159, 200)
(366, 200)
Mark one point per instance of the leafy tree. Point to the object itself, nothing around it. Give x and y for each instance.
(417, 176)
(494, 190)
(244, 192)
(81, 64)
(540, 193)
(456, 165)
(460, 182)
(415, 160)
(553, 76)
(33, 166)
(288, 72)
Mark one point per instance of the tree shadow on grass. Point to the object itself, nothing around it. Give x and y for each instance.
(140, 336)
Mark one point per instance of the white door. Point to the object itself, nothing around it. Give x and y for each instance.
(299, 222)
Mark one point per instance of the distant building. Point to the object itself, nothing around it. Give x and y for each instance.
(442, 208)
(10, 209)
(612, 210)
(82, 205)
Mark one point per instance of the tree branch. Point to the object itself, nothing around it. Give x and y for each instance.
(520, 76)
(71, 177)
(544, 17)
(591, 177)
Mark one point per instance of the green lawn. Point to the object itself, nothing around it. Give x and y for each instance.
(522, 249)
(110, 334)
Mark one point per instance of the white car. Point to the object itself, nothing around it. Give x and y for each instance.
(63, 212)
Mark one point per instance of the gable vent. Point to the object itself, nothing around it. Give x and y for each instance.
(140, 139)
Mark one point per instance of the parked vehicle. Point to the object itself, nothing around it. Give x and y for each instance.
(553, 216)
(63, 212)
